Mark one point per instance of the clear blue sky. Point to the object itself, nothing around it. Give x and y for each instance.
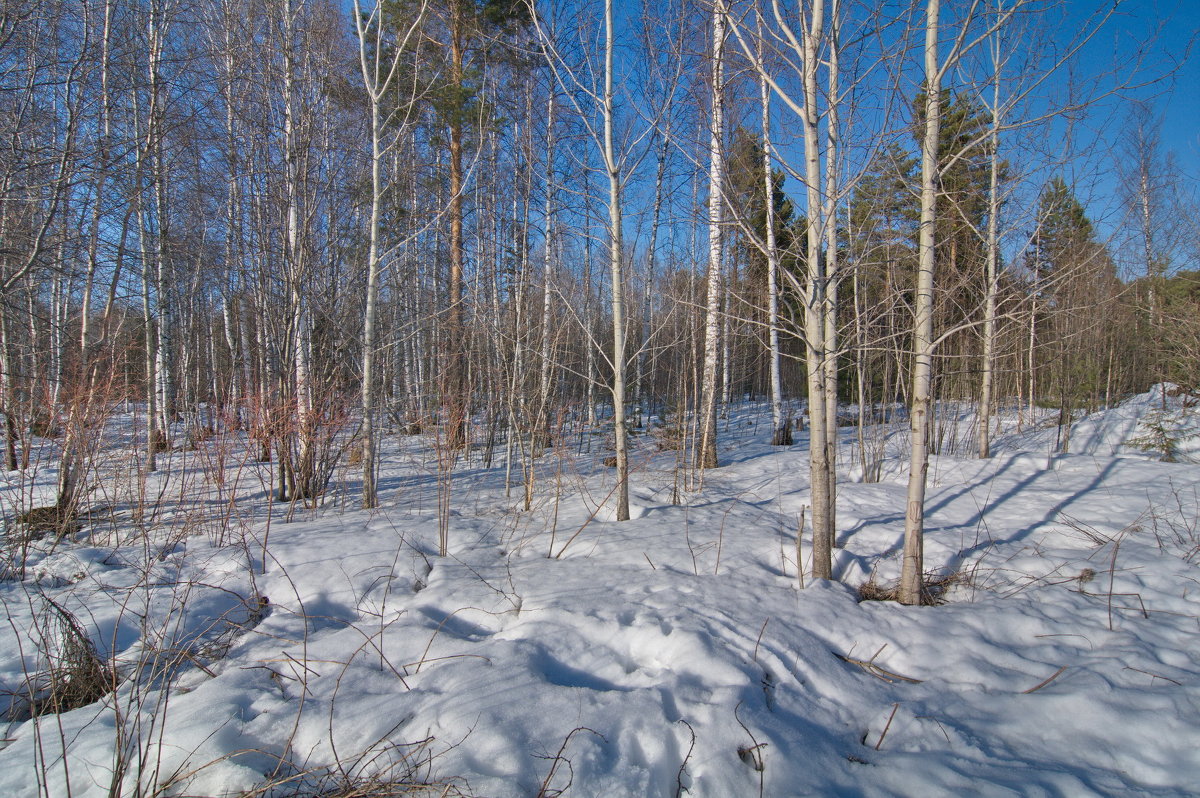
(1152, 47)
(1179, 99)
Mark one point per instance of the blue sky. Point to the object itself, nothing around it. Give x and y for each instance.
(1159, 37)
(1178, 100)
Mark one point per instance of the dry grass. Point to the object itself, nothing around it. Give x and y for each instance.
(933, 590)
(75, 674)
(53, 520)
(386, 769)
(337, 785)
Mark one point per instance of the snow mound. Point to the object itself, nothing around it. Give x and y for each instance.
(1163, 423)
(555, 652)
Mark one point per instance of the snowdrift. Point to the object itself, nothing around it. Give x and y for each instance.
(557, 652)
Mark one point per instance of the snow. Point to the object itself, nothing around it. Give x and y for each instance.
(675, 653)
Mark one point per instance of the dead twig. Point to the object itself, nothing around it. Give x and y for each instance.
(546, 791)
(887, 725)
(752, 755)
(1040, 685)
(759, 640)
(1155, 675)
(679, 788)
(878, 672)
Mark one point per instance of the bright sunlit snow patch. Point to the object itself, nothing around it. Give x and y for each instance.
(679, 651)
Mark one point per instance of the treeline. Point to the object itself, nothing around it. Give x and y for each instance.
(496, 221)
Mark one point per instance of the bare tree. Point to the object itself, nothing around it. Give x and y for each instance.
(912, 568)
(992, 278)
(706, 452)
(781, 428)
(613, 157)
(936, 67)
(380, 53)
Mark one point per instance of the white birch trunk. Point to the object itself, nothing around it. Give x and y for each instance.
(164, 376)
(153, 434)
(651, 263)
(377, 76)
(706, 453)
(294, 255)
(370, 496)
(829, 214)
(815, 307)
(85, 311)
(542, 435)
(781, 431)
(912, 569)
(57, 317)
(987, 367)
(9, 395)
(613, 168)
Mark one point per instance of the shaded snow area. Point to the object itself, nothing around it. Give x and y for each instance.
(674, 654)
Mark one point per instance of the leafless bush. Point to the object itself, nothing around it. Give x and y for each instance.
(1177, 528)
(560, 763)
(73, 675)
(364, 787)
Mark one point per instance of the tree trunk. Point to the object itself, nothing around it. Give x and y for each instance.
(377, 75)
(912, 570)
(987, 367)
(456, 378)
(830, 309)
(781, 427)
(542, 433)
(643, 396)
(613, 168)
(706, 453)
(815, 308)
(8, 394)
(370, 496)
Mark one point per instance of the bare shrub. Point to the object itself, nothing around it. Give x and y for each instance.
(74, 673)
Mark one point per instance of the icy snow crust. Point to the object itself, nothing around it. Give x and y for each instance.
(674, 654)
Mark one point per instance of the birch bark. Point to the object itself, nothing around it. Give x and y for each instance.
(706, 452)
(912, 568)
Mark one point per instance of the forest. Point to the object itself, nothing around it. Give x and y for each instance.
(474, 273)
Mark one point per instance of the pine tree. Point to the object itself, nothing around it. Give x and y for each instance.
(1072, 281)
(748, 203)
(881, 240)
(462, 35)
(963, 165)
(1065, 235)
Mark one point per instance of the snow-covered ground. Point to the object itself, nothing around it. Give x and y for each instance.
(557, 652)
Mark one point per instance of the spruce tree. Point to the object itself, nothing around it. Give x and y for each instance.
(1073, 284)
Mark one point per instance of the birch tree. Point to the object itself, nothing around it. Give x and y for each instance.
(154, 230)
(912, 568)
(829, 312)
(1008, 84)
(992, 278)
(816, 300)
(936, 67)
(601, 102)
(612, 168)
(706, 453)
(806, 47)
(781, 430)
(302, 472)
(379, 57)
